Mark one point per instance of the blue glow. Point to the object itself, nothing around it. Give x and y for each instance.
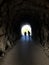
(26, 38)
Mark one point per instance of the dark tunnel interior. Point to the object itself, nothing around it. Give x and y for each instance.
(13, 15)
(14, 27)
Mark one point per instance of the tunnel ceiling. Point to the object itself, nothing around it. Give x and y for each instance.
(16, 10)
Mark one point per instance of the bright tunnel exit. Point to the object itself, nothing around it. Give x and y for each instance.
(26, 28)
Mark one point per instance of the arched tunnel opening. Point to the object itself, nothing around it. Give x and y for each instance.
(26, 29)
(26, 32)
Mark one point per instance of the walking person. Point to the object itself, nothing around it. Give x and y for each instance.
(29, 35)
(25, 34)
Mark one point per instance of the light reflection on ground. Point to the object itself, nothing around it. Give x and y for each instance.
(26, 38)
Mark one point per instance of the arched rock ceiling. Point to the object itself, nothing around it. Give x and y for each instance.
(18, 8)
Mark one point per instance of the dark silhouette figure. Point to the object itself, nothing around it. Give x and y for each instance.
(25, 34)
(29, 35)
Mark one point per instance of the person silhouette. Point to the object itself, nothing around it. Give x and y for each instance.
(29, 35)
(25, 34)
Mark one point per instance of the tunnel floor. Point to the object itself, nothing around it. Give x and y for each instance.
(25, 53)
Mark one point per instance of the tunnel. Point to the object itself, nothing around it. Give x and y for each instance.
(24, 32)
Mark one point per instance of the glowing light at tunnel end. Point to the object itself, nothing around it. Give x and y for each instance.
(26, 28)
